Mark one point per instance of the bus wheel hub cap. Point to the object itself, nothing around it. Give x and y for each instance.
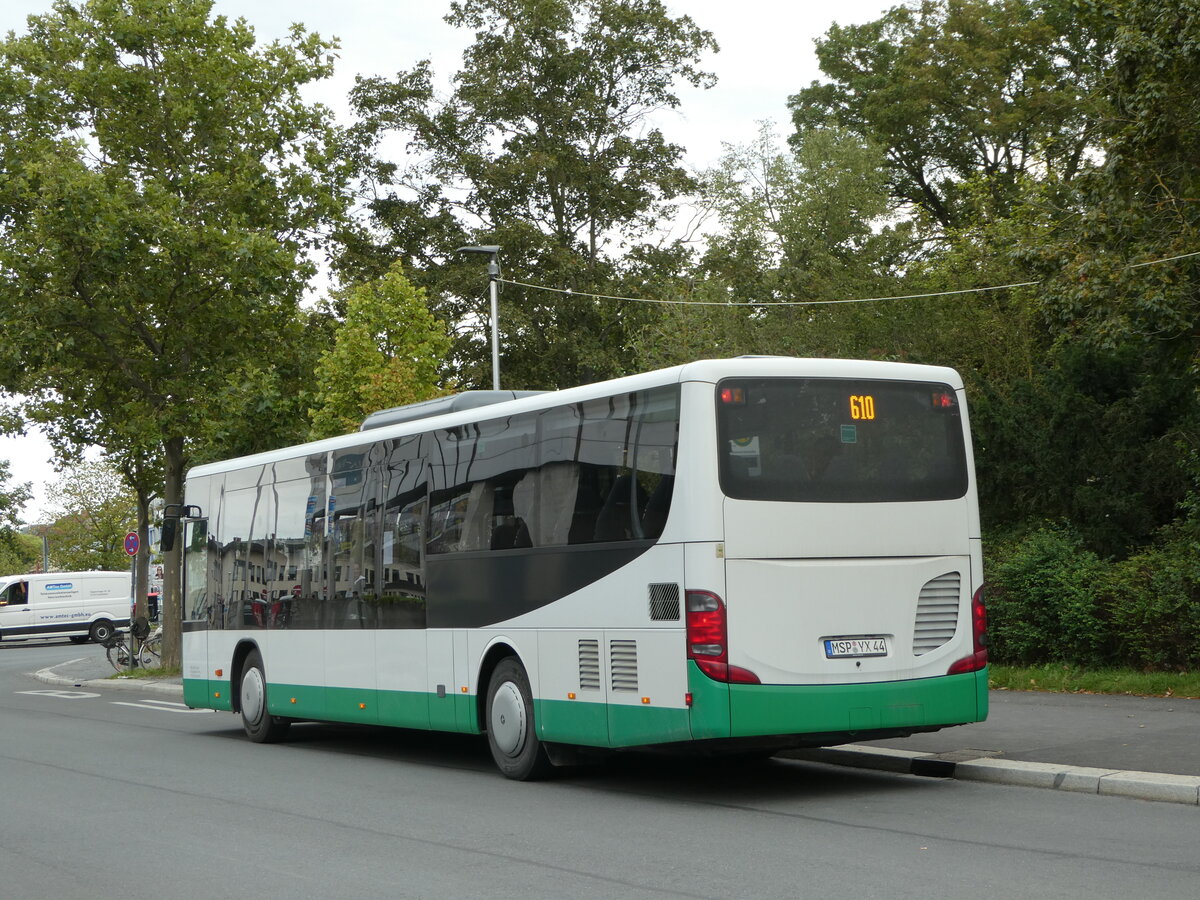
(252, 695)
(508, 719)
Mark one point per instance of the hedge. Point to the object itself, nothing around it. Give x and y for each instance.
(1050, 599)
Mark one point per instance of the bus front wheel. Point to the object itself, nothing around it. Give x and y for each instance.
(260, 726)
(512, 736)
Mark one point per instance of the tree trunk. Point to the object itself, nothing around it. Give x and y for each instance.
(141, 579)
(171, 602)
(143, 555)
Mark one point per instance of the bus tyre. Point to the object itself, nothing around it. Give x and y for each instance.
(511, 733)
(260, 726)
(101, 631)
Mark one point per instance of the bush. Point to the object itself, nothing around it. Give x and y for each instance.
(1050, 600)
(1154, 599)
(1043, 602)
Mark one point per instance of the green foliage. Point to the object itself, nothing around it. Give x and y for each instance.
(1140, 206)
(18, 552)
(799, 225)
(155, 263)
(1076, 680)
(387, 352)
(1050, 600)
(161, 180)
(1042, 601)
(958, 88)
(12, 496)
(93, 510)
(1155, 603)
(546, 149)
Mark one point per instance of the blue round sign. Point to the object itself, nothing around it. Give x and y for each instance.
(132, 543)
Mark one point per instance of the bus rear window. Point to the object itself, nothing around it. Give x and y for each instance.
(839, 441)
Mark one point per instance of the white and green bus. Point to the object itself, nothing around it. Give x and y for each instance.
(735, 556)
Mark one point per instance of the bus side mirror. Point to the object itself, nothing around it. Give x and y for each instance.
(170, 527)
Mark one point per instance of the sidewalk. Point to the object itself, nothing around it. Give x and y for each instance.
(1141, 747)
(94, 671)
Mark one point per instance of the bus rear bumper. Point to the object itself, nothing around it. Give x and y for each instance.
(849, 711)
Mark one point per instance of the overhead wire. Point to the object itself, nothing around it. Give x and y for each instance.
(758, 304)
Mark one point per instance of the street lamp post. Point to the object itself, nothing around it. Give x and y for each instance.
(492, 251)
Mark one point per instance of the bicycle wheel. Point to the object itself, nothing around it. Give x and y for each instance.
(150, 655)
(118, 656)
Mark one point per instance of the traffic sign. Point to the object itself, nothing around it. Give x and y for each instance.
(132, 543)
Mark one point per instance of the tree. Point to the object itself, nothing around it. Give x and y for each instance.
(544, 147)
(804, 221)
(791, 225)
(957, 88)
(18, 553)
(161, 180)
(93, 511)
(1122, 280)
(385, 353)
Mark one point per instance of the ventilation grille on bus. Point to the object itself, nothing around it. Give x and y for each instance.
(623, 665)
(937, 613)
(664, 603)
(589, 665)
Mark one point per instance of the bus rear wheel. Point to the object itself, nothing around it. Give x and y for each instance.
(260, 726)
(512, 735)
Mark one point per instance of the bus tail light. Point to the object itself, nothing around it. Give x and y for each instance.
(979, 638)
(708, 639)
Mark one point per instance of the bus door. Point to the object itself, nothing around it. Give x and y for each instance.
(201, 611)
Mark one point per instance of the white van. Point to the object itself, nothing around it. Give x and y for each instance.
(78, 605)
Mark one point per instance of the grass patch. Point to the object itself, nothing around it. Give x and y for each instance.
(1073, 680)
(156, 672)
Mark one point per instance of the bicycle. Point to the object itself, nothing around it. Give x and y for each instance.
(117, 651)
(121, 657)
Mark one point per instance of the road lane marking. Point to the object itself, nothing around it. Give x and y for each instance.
(64, 695)
(161, 706)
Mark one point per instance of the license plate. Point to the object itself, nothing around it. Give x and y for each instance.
(849, 648)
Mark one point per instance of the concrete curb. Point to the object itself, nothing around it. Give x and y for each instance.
(969, 765)
(49, 676)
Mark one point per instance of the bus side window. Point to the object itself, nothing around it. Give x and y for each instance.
(615, 522)
(657, 507)
(588, 502)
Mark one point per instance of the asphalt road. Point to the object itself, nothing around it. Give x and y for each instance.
(116, 792)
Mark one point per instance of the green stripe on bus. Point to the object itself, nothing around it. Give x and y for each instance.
(201, 694)
(401, 709)
(609, 725)
(718, 710)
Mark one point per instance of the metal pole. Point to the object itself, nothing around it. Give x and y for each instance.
(493, 255)
(132, 609)
(493, 274)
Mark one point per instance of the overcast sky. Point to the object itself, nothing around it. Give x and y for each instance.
(766, 55)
